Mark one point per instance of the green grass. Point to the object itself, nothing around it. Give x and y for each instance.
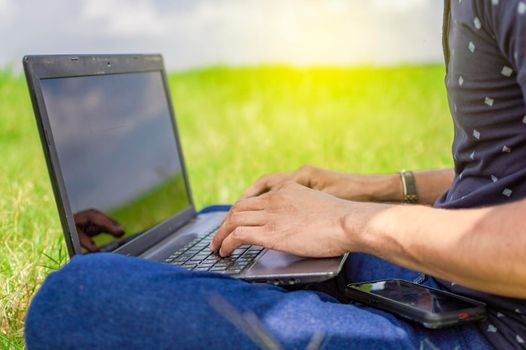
(236, 124)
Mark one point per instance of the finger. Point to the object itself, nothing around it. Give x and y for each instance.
(87, 242)
(242, 235)
(106, 224)
(248, 204)
(236, 219)
(259, 187)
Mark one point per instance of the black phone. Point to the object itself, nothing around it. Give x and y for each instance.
(431, 307)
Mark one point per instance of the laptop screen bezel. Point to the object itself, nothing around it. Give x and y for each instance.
(42, 67)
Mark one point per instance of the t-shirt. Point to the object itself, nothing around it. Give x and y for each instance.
(485, 51)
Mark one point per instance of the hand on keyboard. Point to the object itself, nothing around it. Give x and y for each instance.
(196, 256)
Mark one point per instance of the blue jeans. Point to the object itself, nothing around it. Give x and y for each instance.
(108, 301)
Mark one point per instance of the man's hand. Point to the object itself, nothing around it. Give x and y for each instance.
(292, 219)
(361, 188)
(92, 222)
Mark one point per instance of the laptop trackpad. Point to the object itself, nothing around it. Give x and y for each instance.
(277, 263)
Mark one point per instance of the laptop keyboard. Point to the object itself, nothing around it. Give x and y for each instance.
(196, 256)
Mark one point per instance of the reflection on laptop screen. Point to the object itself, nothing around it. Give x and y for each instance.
(118, 154)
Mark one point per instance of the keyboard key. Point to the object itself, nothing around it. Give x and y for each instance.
(200, 268)
(251, 254)
(206, 264)
(185, 256)
(217, 269)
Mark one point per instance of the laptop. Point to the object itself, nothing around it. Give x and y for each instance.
(114, 156)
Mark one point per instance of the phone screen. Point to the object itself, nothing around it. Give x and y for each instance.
(414, 295)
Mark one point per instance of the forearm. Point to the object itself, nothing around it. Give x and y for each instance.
(430, 184)
(478, 248)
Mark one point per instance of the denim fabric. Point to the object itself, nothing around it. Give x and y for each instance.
(214, 208)
(108, 301)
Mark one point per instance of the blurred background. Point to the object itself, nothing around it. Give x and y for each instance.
(259, 86)
(196, 33)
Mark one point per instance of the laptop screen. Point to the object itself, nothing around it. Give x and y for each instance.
(118, 154)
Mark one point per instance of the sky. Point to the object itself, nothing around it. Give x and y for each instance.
(196, 33)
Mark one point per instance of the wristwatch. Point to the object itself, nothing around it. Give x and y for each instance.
(409, 186)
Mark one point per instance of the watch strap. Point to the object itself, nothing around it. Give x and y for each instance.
(409, 186)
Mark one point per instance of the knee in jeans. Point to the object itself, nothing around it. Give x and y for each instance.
(56, 304)
(91, 263)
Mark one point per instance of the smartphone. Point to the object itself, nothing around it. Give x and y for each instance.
(433, 308)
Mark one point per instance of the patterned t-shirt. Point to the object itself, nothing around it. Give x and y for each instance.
(485, 51)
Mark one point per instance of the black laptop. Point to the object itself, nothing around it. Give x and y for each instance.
(114, 157)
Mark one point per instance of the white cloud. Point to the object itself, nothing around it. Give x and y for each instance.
(193, 33)
(6, 12)
(4, 6)
(398, 5)
(124, 17)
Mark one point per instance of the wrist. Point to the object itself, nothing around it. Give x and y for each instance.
(385, 188)
(356, 224)
(352, 187)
